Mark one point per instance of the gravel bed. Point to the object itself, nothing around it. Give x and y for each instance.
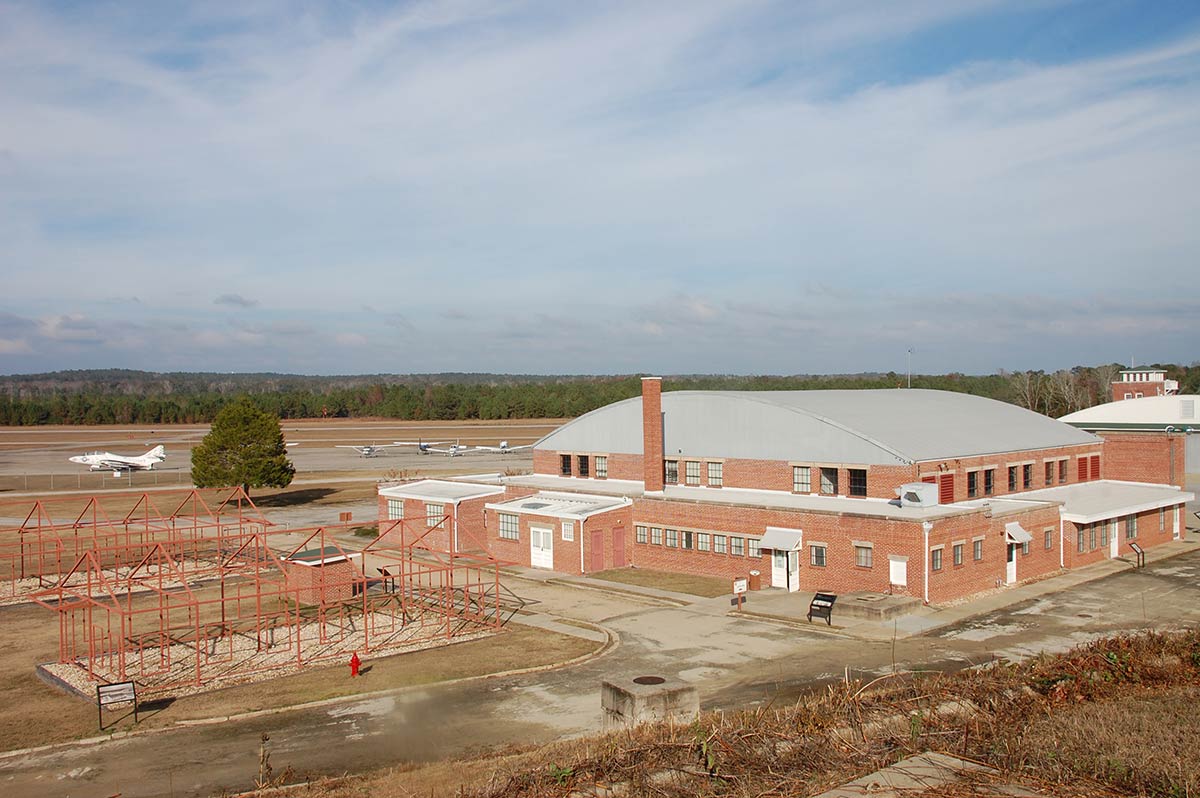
(226, 668)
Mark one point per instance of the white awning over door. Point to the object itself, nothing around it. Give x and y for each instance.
(1016, 533)
(778, 539)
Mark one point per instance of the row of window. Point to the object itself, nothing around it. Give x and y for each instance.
(583, 465)
(510, 528)
(697, 541)
(1097, 535)
(957, 550)
(691, 473)
(433, 512)
(982, 482)
(802, 481)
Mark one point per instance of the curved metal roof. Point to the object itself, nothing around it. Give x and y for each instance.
(877, 427)
(1150, 412)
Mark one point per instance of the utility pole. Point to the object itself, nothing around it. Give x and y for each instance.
(910, 367)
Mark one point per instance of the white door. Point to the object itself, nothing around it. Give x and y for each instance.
(541, 547)
(1175, 513)
(779, 569)
(898, 571)
(1113, 546)
(1011, 575)
(793, 571)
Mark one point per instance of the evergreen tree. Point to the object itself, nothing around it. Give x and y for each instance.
(244, 447)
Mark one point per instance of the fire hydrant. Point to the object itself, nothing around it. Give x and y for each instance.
(355, 662)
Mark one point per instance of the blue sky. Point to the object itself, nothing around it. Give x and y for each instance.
(548, 187)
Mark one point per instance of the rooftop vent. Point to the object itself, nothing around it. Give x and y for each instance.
(918, 494)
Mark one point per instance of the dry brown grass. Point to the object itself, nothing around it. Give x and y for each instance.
(34, 713)
(1116, 717)
(705, 586)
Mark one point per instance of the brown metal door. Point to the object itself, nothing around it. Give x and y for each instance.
(597, 542)
(618, 539)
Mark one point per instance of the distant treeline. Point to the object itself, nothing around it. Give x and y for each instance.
(138, 397)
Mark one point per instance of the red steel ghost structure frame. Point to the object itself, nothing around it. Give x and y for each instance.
(119, 529)
(248, 600)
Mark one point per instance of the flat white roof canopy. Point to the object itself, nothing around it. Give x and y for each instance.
(1089, 502)
(560, 505)
(438, 490)
(1015, 533)
(778, 539)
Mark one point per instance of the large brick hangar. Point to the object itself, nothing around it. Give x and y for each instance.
(933, 494)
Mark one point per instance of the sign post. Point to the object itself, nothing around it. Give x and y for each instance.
(739, 593)
(116, 693)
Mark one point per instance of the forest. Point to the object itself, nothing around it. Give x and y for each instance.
(118, 396)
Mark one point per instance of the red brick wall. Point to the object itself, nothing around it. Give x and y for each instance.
(882, 480)
(322, 583)
(620, 466)
(545, 462)
(840, 574)
(470, 523)
(610, 524)
(1144, 457)
(1157, 388)
(1148, 534)
(1000, 462)
(652, 434)
(566, 552)
(973, 576)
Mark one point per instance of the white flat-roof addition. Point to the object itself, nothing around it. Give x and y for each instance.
(885, 427)
(1180, 413)
(560, 505)
(1098, 501)
(605, 487)
(442, 491)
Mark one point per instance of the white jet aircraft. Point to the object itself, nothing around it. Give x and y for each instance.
(503, 448)
(120, 464)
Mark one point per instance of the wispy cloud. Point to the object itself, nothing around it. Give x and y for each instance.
(235, 300)
(711, 186)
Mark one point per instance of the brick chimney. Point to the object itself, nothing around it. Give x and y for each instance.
(652, 434)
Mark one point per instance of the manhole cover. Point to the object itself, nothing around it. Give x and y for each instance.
(649, 680)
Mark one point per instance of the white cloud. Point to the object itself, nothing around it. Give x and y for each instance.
(538, 187)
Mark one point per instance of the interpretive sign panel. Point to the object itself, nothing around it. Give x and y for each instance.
(116, 693)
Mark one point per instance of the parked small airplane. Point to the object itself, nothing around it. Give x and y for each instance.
(424, 447)
(120, 464)
(432, 447)
(369, 450)
(503, 448)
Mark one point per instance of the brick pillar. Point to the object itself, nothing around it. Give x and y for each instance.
(652, 433)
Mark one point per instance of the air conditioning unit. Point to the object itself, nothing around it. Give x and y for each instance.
(918, 494)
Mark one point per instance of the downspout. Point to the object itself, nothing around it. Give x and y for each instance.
(582, 521)
(926, 527)
(454, 529)
(1062, 537)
